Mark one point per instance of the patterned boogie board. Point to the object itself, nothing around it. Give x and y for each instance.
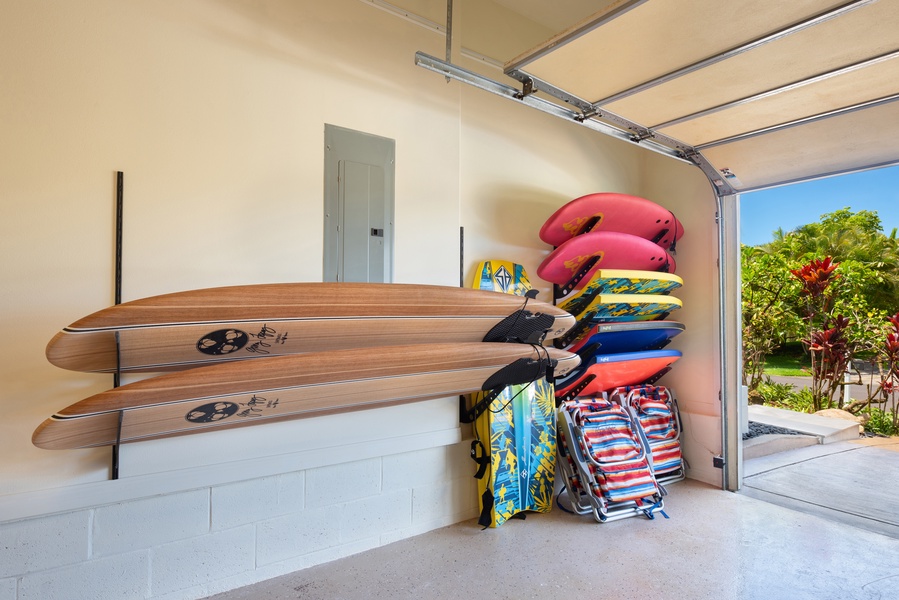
(619, 281)
(520, 424)
(502, 276)
(521, 428)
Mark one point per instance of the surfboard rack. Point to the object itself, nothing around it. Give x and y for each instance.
(114, 467)
(574, 333)
(575, 391)
(564, 290)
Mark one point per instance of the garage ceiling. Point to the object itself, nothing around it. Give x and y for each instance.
(764, 91)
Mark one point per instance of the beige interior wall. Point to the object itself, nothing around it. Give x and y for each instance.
(215, 112)
(696, 378)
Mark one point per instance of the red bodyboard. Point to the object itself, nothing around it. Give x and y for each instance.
(616, 370)
(613, 212)
(615, 251)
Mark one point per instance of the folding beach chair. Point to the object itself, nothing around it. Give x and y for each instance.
(655, 407)
(605, 461)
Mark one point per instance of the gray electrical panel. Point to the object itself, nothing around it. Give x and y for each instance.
(359, 197)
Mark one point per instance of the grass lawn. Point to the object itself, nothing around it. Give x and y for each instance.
(788, 365)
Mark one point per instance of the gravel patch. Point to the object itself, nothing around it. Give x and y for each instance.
(757, 429)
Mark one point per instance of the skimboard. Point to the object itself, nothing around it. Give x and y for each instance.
(582, 255)
(502, 276)
(517, 430)
(618, 281)
(613, 212)
(606, 372)
(193, 328)
(251, 392)
(625, 336)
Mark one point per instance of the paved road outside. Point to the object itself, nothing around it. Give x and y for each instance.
(857, 392)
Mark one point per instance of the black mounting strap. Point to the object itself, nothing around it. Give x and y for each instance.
(657, 376)
(660, 235)
(589, 224)
(575, 332)
(482, 458)
(575, 391)
(470, 415)
(576, 279)
(588, 351)
(117, 380)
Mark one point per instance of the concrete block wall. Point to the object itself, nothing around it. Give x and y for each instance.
(200, 542)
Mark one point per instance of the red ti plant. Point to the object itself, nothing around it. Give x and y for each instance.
(826, 340)
(816, 276)
(889, 379)
(830, 359)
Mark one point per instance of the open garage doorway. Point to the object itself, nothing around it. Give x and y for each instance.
(820, 341)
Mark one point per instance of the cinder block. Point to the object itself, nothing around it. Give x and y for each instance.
(411, 469)
(143, 524)
(342, 483)
(256, 500)
(122, 576)
(460, 463)
(376, 515)
(297, 534)
(197, 561)
(430, 503)
(8, 588)
(43, 543)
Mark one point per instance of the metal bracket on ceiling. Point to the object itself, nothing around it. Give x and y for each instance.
(527, 88)
(642, 133)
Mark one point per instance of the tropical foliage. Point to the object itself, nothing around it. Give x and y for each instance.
(831, 285)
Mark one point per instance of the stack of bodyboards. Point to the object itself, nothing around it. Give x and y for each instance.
(613, 270)
(254, 354)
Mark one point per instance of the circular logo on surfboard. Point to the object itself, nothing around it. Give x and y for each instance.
(222, 341)
(209, 413)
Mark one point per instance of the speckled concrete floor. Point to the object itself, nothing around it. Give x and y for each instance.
(715, 544)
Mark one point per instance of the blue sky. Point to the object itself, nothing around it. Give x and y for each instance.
(789, 207)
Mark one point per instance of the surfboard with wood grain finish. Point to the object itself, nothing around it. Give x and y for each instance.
(188, 329)
(242, 393)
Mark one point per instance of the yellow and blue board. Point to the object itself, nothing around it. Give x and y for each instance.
(520, 424)
(502, 276)
(620, 281)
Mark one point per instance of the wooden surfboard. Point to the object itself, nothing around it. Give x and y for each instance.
(619, 281)
(605, 250)
(189, 329)
(250, 392)
(606, 372)
(625, 336)
(613, 212)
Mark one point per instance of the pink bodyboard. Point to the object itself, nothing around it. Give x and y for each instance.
(614, 250)
(613, 212)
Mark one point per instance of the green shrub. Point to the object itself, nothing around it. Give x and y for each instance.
(784, 395)
(881, 422)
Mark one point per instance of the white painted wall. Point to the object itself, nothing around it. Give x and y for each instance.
(215, 111)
